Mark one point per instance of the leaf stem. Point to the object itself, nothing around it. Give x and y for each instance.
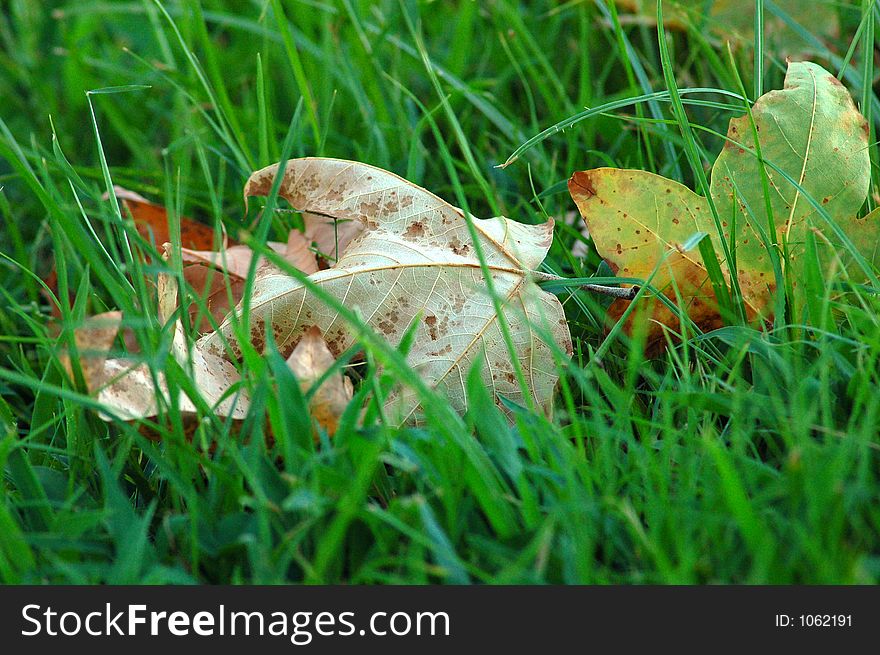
(626, 293)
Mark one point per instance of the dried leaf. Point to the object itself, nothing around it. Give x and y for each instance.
(810, 131)
(121, 384)
(129, 390)
(213, 376)
(235, 260)
(220, 294)
(151, 221)
(93, 340)
(298, 254)
(330, 235)
(309, 361)
(414, 261)
(219, 277)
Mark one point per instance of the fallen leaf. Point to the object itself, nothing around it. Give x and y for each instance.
(812, 134)
(151, 222)
(235, 260)
(811, 131)
(309, 361)
(93, 340)
(122, 385)
(635, 218)
(218, 277)
(329, 234)
(213, 376)
(297, 253)
(219, 292)
(413, 261)
(129, 390)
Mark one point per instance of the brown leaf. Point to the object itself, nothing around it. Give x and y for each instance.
(309, 361)
(220, 294)
(204, 272)
(121, 384)
(151, 221)
(93, 340)
(298, 254)
(414, 261)
(129, 390)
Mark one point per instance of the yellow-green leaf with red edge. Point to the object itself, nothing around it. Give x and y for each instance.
(814, 147)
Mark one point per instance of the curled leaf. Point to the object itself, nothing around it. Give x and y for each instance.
(93, 340)
(151, 221)
(813, 143)
(414, 261)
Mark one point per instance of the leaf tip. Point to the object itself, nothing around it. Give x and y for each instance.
(581, 185)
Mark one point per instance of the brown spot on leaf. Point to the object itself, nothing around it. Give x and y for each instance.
(458, 247)
(431, 322)
(414, 230)
(582, 184)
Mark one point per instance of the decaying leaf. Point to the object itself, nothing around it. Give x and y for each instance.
(151, 221)
(218, 277)
(128, 389)
(212, 376)
(816, 144)
(309, 361)
(635, 218)
(93, 340)
(413, 261)
(398, 255)
(122, 385)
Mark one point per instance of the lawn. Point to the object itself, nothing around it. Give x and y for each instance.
(746, 454)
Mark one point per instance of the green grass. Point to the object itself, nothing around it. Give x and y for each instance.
(737, 456)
